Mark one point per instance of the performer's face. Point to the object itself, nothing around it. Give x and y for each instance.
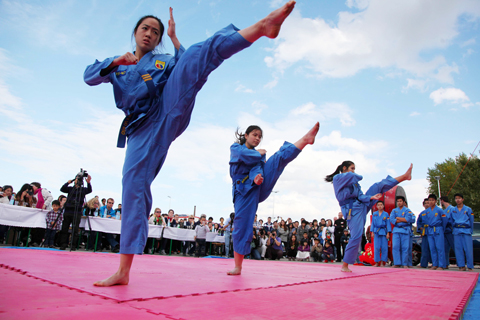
(350, 169)
(253, 139)
(147, 35)
(458, 200)
(380, 206)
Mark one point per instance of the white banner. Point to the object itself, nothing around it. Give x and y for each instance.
(17, 216)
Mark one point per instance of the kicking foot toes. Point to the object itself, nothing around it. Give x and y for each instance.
(273, 22)
(310, 136)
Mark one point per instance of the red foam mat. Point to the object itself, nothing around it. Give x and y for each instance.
(56, 284)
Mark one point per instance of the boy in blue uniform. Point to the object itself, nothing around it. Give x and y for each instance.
(422, 229)
(401, 218)
(436, 220)
(157, 93)
(381, 228)
(462, 222)
(448, 241)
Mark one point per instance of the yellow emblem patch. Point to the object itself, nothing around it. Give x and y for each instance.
(160, 65)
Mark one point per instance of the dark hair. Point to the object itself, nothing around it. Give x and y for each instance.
(432, 196)
(162, 28)
(25, 187)
(380, 201)
(424, 200)
(61, 197)
(232, 216)
(346, 163)
(400, 197)
(5, 187)
(56, 202)
(456, 194)
(444, 198)
(240, 137)
(36, 184)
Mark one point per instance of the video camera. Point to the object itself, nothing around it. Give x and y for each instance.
(82, 174)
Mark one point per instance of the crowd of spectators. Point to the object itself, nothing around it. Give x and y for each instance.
(322, 240)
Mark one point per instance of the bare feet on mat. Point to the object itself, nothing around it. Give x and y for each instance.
(439, 268)
(235, 272)
(273, 22)
(115, 280)
(345, 268)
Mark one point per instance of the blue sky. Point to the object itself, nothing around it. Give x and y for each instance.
(392, 82)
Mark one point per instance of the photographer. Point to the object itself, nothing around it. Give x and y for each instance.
(274, 247)
(74, 204)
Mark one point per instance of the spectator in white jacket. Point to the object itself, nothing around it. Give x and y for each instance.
(43, 196)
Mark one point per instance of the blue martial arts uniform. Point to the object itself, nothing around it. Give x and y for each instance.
(422, 229)
(355, 206)
(380, 227)
(462, 222)
(401, 235)
(436, 220)
(245, 165)
(448, 241)
(410, 242)
(157, 96)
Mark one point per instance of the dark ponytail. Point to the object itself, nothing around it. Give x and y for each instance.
(240, 137)
(345, 163)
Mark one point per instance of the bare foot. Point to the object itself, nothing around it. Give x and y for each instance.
(395, 266)
(235, 272)
(470, 269)
(439, 268)
(309, 138)
(462, 269)
(376, 265)
(408, 174)
(434, 268)
(273, 22)
(115, 280)
(345, 268)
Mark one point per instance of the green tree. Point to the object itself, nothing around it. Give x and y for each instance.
(468, 183)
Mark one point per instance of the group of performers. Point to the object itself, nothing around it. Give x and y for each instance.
(157, 94)
(441, 230)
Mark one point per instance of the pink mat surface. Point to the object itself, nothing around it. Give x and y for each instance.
(53, 284)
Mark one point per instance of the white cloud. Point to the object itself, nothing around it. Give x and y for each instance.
(469, 42)
(326, 112)
(276, 3)
(452, 95)
(418, 84)
(384, 34)
(414, 114)
(272, 84)
(258, 107)
(242, 88)
(469, 52)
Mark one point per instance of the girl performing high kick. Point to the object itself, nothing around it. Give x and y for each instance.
(253, 180)
(355, 205)
(157, 94)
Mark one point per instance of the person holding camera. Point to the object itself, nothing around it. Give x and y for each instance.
(274, 247)
(73, 208)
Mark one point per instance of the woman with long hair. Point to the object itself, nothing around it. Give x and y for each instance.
(355, 204)
(157, 94)
(253, 180)
(24, 197)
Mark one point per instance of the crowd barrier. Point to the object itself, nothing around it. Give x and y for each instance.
(17, 216)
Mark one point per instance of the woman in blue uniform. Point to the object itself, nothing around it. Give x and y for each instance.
(157, 93)
(253, 180)
(355, 205)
